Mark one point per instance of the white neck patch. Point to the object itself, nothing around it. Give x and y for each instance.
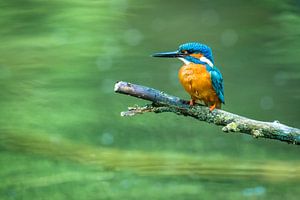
(184, 60)
(202, 59)
(206, 60)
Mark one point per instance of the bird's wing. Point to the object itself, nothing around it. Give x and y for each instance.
(217, 82)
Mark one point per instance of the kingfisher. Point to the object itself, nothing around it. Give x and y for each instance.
(198, 75)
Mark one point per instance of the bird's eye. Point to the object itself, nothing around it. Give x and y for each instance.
(184, 52)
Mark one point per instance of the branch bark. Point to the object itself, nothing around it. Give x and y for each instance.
(162, 102)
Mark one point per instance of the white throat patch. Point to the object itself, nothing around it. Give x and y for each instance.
(186, 62)
(206, 60)
(202, 59)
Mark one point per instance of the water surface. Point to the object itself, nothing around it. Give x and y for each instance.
(62, 136)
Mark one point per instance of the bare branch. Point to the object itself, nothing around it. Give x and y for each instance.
(162, 102)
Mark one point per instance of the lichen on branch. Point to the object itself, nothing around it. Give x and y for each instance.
(162, 102)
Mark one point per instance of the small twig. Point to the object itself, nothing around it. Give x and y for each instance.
(135, 110)
(162, 102)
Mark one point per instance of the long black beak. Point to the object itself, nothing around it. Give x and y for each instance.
(174, 54)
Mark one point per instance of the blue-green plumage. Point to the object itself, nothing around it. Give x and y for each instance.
(217, 82)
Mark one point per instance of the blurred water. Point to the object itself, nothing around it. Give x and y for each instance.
(61, 131)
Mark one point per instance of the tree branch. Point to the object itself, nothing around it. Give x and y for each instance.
(162, 102)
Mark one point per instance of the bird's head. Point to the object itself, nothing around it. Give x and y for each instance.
(191, 52)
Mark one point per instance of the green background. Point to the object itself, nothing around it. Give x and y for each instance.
(61, 134)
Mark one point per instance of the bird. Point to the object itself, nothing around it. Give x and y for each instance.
(198, 75)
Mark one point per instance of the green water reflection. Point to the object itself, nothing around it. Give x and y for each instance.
(62, 136)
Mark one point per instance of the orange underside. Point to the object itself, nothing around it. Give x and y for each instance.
(196, 81)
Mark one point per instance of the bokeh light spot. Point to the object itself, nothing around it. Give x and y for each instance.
(266, 103)
(256, 191)
(229, 38)
(133, 37)
(107, 138)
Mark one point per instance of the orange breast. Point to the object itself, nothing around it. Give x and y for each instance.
(197, 82)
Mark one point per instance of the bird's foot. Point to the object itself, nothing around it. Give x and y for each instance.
(192, 102)
(211, 108)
